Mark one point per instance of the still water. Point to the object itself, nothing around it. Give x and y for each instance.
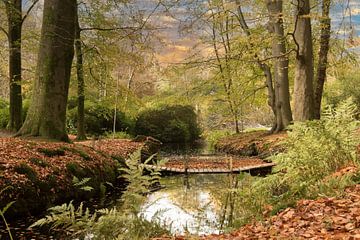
(196, 204)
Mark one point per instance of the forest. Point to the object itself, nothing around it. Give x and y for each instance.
(179, 119)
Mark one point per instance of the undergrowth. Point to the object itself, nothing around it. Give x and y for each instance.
(124, 222)
(315, 151)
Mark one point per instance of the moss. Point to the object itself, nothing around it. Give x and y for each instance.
(25, 169)
(52, 152)
(39, 162)
(81, 153)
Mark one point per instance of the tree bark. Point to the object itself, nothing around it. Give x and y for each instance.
(304, 71)
(325, 23)
(281, 69)
(14, 13)
(47, 113)
(81, 83)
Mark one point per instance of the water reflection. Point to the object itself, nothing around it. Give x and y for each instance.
(198, 204)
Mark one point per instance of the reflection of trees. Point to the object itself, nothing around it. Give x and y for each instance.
(188, 193)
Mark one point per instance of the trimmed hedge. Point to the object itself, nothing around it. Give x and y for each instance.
(169, 124)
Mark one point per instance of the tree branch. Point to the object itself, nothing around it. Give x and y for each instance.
(4, 31)
(29, 10)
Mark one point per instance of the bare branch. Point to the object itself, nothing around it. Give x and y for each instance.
(29, 11)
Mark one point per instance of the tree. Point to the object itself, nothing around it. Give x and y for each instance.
(80, 80)
(15, 21)
(47, 113)
(325, 24)
(304, 63)
(277, 83)
(281, 71)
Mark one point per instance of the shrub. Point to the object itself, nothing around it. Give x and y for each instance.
(169, 124)
(99, 119)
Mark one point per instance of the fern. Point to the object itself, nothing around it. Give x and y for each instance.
(315, 150)
(3, 211)
(116, 223)
(81, 184)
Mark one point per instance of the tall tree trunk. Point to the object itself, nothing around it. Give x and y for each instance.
(281, 69)
(325, 23)
(81, 83)
(47, 113)
(14, 13)
(304, 71)
(272, 95)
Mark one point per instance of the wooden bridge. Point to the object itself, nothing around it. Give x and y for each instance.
(213, 164)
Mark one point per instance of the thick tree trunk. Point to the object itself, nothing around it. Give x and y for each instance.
(14, 13)
(304, 71)
(325, 23)
(281, 70)
(47, 113)
(81, 83)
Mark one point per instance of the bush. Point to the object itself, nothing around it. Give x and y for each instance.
(169, 124)
(99, 119)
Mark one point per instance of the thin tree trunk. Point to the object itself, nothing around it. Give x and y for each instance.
(281, 63)
(304, 71)
(14, 13)
(80, 82)
(264, 67)
(47, 113)
(325, 23)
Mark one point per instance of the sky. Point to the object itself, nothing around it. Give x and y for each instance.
(176, 46)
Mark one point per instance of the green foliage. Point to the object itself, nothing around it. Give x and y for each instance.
(315, 150)
(4, 113)
(52, 152)
(119, 135)
(81, 153)
(169, 124)
(99, 118)
(25, 108)
(212, 137)
(81, 184)
(3, 211)
(39, 162)
(25, 169)
(346, 85)
(75, 169)
(123, 223)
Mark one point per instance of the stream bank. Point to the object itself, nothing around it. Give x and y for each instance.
(37, 175)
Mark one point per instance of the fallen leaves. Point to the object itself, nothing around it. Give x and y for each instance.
(212, 162)
(325, 218)
(252, 143)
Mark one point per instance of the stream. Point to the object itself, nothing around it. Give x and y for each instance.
(196, 204)
(193, 203)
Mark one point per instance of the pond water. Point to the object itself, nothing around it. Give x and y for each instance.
(195, 204)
